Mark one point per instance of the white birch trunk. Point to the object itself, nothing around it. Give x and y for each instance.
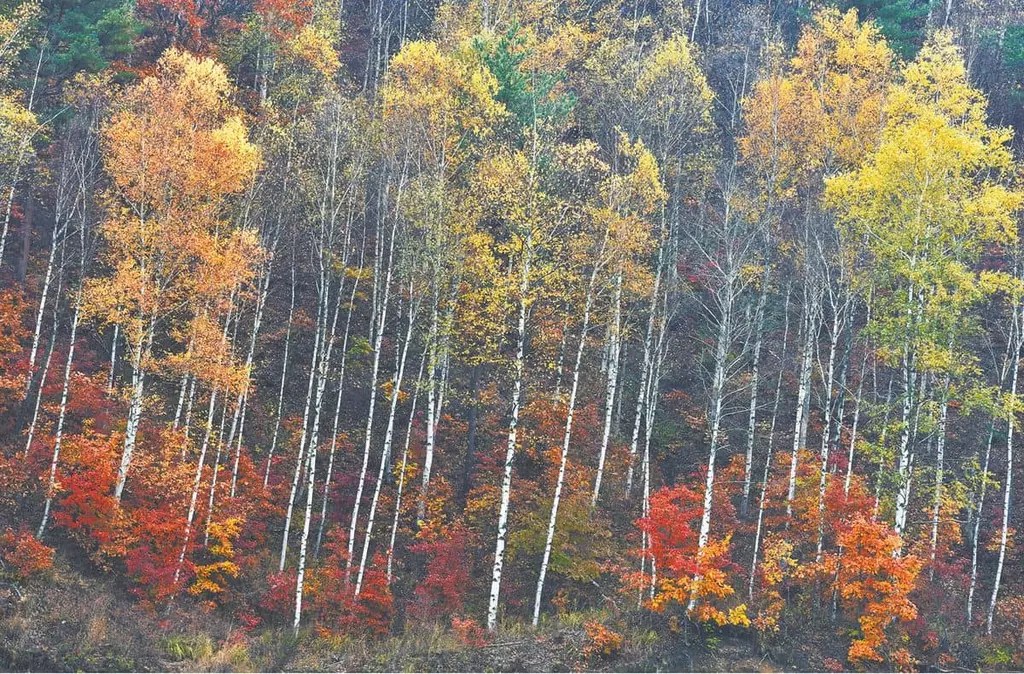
(61, 415)
(313, 371)
(645, 374)
(284, 374)
(976, 533)
(717, 399)
(940, 455)
(755, 371)
(565, 441)
(803, 397)
(145, 343)
(612, 385)
(195, 485)
(1008, 487)
(769, 451)
(386, 451)
(401, 473)
(510, 452)
(375, 370)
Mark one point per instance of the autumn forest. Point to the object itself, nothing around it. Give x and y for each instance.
(511, 335)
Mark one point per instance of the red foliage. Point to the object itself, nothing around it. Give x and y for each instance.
(283, 18)
(25, 555)
(331, 593)
(673, 541)
(468, 632)
(442, 592)
(86, 477)
(280, 594)
(153, 559)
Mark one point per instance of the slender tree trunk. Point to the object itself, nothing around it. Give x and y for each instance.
(717, 400)
(337, 406)
(61, 415)
(432, 408)
(49, 356)
(940, 447)
(216, 474)
(314, 368)
(651, 410)
(803, 394)
(113, 357)
(565, 444)
(405, 458)
(856, 414)
(1008, 487)
(641, 396)
(58, 235)
(976, 533)
(195, 485)
(748, 464)
(386, 451)
(243, 396)
(374, 372)
(19, 161)
(612, 384)
(142, 348)
(284, 378)
(826, 433)
(910, 377)
(769, 452)
(510, 452)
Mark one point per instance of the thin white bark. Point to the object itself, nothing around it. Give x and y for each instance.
(374, 372)
(769, 452)
(1008, 487)
(755, 371)
(405, 459)
(615, 341)
(284, 378)
(510, 452)
(803, 392)
(565, 442)
(388, 437)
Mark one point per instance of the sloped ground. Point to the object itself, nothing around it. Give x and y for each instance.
(75, 622)
(69, 621)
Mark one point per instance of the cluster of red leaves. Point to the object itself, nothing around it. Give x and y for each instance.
(331, 592)
(442, 592)
(24, 555)
(283, 18)
(86, 508)
(684, 574)
(468, 632)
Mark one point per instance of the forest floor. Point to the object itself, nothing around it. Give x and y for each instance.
(77, 621)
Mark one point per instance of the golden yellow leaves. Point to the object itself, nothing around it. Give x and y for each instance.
(313, 47)
(177, 144)
(214, 577)
(827, 112)
(927, 201)
(176, 150)
(437, 100)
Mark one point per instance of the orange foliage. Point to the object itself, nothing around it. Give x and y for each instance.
(601, 640)
(874, 582)
(682, 575)
(25, 555)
